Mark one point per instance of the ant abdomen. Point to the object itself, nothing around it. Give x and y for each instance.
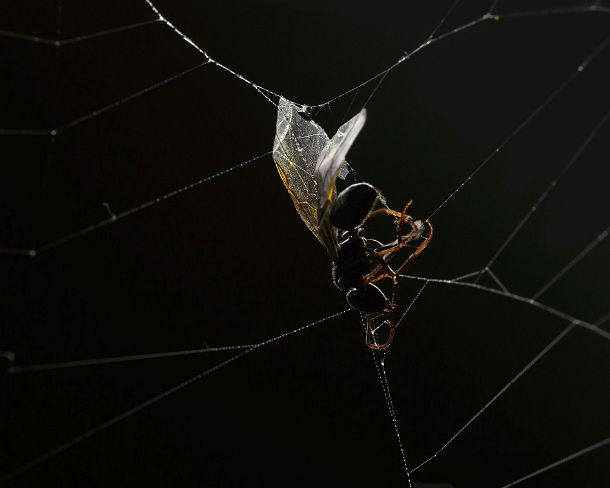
(367, 299)
(352, 206)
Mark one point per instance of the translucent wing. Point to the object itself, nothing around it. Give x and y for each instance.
(296, 149)
(331, 161)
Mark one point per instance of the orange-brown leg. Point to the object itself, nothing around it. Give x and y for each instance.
(418, 251)
(384, 270)
(404, 218)
(371, 342)
(400, 220)
(389, 272)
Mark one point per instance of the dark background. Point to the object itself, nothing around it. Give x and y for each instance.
(229, 262)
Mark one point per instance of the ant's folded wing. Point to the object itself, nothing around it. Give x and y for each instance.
(331, 160)
(297, 146)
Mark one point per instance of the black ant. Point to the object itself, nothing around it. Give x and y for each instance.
(309, 163)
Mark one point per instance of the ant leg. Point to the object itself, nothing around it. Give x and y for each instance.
(389, 211)
(401, 219)
(374, 276)
(371, 341)
(383, 211)
(404, 218)
(418, 250)
(402, 242)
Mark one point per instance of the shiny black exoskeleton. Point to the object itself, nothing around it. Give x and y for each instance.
(356, 257)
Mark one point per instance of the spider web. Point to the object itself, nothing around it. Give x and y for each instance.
(138, 175)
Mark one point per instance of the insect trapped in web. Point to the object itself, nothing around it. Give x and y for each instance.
(309, 163)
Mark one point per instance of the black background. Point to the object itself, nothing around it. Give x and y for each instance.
(229, 261)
